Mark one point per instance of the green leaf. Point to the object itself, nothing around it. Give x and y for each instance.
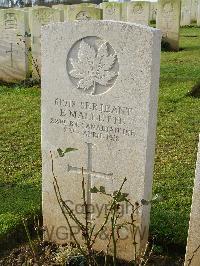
(125, 195)
(115, 193)
(94, 190)
(70, 149)
(102, 189)
(157, 198)
(62, 153)
(121, 196)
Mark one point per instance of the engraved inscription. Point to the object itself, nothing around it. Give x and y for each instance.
(92, 65)
(83, 15)
(167, 9)
(43, 16)
(138, 9)
(154, 12)
(93, 120)
(167, 15)
(10, 20)
(110, 10)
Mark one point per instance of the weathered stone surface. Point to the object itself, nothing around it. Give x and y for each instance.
(168, 21)
(193, 243)
(198, 14)
(138, 12)
(89, 4)
(124, 11)
(153, 10)
(61, 8)
(115, 10)
(82, 12)
(194, 9)
(186, 12)
(40, 16)
(108, 113)
(13, 45)
(112, 11)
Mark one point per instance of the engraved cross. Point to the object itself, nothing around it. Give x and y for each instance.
(11, 54)
(89, 171)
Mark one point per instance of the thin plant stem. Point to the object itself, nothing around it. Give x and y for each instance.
(37, 228)
(107, 216)
(86, 233)
(58, 196)
(29, 238)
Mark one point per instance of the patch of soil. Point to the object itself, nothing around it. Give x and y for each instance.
(156, 260)
(44, 255)
(24, 255)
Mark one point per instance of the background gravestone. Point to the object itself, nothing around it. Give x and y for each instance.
(61, 8)
(186, 12)
(168, 21)
(124, 6)
(40, 16)
(109, 115)
(112, 11)
(194, 9)
(138, 12)
(28, 38)
(198, 14)
(14, 64)
(153, 10)
(82, 12)
(193, 243)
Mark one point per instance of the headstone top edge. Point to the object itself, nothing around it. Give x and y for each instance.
(142, 2)
(98, 23)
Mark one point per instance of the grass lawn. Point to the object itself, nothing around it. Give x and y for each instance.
(177, 137)
(20, 170)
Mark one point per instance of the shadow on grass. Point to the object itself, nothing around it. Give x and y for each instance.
(195, 91)
(17, 202)
(24, 83)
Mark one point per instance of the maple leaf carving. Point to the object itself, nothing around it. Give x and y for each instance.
(93, 67)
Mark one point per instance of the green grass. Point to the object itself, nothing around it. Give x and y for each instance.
(20, 171)
(177, 137)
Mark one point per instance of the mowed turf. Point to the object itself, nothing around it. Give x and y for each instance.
(177, 137)
(20, 160)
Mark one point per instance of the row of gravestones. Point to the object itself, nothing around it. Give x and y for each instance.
(20, 29)
(100, 83)
(20, 41)
(190, 12)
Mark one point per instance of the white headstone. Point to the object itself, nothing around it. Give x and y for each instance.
(198, 14)
(107, 110)
(124, 11)
(193, 243)
(82, 12)
(153, 10)
(138, 12)
(194, 9)
(14, 64)
(112, 10)
(186, 12)
(168, 21)
(61, 8)
(40, 16)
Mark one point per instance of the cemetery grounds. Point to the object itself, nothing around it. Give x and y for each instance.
(177, 136)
